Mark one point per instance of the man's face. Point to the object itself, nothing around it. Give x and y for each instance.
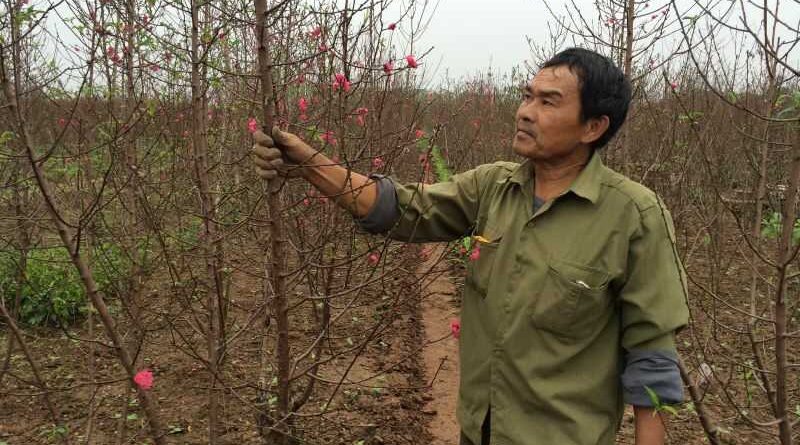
(548, 119)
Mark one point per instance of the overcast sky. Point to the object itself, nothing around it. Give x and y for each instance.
(470, 35)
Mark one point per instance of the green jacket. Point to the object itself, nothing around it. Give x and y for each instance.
(565, 310)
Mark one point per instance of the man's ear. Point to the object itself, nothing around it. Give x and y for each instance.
(594, 128)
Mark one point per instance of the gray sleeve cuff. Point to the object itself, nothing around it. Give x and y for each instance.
(384, 214)
(657, 370)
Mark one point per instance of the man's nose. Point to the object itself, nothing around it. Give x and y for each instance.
(527, 112)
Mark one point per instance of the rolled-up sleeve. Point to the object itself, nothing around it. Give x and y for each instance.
(654, 370)
(384, 213)
(653, 308)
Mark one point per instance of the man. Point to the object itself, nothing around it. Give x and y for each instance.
(571, 307)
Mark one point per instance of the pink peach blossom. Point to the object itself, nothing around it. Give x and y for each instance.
(411, 61)
(476, 253)
(252, 125)
(374, 258)
(328, 137)
(455, 327)
(340, 81)
(144, 379)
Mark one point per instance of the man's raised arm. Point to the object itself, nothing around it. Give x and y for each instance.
(285, 154)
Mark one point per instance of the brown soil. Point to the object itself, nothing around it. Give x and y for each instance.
(440, 356)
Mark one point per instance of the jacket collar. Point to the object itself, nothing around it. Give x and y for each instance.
(586, 185)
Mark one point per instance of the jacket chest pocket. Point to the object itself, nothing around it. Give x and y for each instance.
(573, 301)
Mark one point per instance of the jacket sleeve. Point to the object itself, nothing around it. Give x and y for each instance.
(417, 212)
(653, 308)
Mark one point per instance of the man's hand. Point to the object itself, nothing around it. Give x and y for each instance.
(650, 429)
(282, 153)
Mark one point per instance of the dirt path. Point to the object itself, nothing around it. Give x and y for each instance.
(440, 357)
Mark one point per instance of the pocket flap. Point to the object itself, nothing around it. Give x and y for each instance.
(578, 275)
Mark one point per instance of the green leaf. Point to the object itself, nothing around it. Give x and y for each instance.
(653, 396)
(175, 429)
(132, 416)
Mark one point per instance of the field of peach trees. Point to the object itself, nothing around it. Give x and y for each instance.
(153, 290)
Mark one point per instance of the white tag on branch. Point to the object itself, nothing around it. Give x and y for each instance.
(704, 374)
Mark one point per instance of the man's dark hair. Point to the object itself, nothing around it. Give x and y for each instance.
(605, 91)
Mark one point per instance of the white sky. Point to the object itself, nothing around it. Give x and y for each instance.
(470, 35)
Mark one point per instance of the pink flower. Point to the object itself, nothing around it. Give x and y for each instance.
(476, 253)
(388, 67)
(673, 85)
(323, 48)
(411, 61)
(455, 327)
(374, 258)
(306, 202)
(316, 32)
(476, 123)
(391, 26)
(328, 137)
(252, 125)
(112, 54)
(144, 379)
(419, 134)
(341, 82)
(302, 104)
(155, 68)
(377, 163)
(62, 122)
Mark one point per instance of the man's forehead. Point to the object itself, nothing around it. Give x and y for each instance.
(557, 77)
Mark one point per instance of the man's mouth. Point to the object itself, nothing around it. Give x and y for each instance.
(527, 133)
